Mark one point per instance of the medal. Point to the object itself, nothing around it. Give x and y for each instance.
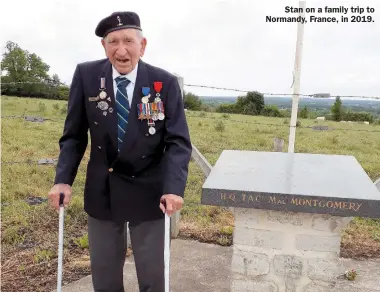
(102, 94)
(157, 88)
(152, 131)
(146, 94)
(155, 117)
(145, 99)
(161, 114)
(93, 98)
(103, 105)
(140, 111)
(110, 110)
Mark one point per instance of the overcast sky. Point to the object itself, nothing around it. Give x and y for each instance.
(222, 43)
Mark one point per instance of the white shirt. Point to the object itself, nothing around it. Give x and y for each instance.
(131, 76)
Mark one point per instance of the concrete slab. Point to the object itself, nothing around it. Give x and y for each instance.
(195, 267)
(199, 267)
(292, 182)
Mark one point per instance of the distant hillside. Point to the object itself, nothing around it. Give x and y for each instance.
(317, 104)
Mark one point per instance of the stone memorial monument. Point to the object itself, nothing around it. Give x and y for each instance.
(289, 211)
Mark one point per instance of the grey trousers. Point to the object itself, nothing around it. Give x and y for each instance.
(107, 245)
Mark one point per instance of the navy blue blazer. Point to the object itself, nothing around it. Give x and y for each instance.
(125, 185)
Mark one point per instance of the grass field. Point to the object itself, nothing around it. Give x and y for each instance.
(30, 232)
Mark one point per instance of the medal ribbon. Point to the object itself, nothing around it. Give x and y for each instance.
(139, 108)
(161, 107)
(144, 109)
(157, 86)
(148, 109)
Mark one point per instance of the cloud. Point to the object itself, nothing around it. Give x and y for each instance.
(216, 43)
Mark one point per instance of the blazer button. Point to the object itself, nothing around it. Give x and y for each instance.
(100, 147)
(96, 123)
(143, 157)
(110, 170)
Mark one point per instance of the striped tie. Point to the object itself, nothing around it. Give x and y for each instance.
(122, 107)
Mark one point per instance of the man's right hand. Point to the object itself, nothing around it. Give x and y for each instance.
(54, 195)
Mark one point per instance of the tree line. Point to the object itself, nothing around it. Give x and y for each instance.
(253, 103)
(26, 75)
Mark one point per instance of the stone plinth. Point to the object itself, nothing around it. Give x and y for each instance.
(289, 211)
(282, 251)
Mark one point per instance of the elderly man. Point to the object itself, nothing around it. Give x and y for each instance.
(140, 151)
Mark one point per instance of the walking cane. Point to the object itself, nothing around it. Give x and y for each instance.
(60, 242)
(167, 251)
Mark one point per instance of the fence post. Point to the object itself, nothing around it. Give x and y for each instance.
(278, 144)
(175, 218)
(180, 82)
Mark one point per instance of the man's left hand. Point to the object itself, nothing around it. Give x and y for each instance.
(172, 202)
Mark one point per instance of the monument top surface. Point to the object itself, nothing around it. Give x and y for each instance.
(303, 182)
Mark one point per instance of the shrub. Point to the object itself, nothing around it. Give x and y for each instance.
(219, 126)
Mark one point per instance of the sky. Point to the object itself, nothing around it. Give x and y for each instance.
(218, 43)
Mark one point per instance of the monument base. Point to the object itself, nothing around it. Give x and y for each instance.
(277, 251)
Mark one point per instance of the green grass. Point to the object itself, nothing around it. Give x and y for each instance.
(11, 105)
(361, 238)
(30, 233)
(240, 132)
(210, 132)
(257, 133)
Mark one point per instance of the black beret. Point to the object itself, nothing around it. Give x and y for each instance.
(117, 20)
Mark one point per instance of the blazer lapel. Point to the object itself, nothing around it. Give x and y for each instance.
(133, 122)
(111, 117)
